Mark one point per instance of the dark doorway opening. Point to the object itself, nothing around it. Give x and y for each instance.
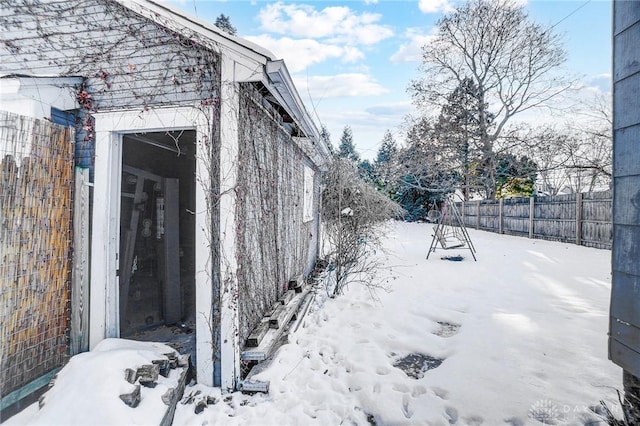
(157, 238)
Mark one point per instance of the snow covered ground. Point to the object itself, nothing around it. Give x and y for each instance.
(522, 335)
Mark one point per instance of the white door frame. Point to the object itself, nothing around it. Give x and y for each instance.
(105, 245)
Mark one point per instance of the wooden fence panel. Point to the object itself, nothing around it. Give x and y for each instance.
(597, 229)
(555, 217)
(515, 216)
(583, 219)
(36, 186)
(490, 215)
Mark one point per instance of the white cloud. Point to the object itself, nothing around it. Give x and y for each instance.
(392, 109)
(339, 86)
(302, 53)
(446, 6)
(435, 6)
(335, 23)
(411, 51)
(370, 1)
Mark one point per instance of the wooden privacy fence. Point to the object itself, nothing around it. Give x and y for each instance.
(583, 218)
(36, 185)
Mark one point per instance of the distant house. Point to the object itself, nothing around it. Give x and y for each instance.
(204, 165)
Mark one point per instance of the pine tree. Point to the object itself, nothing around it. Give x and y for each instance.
(388, 149)
(385, 163)
(459, 130)
(325, 137)
(346, 148)
(224, 23)
(515, 177)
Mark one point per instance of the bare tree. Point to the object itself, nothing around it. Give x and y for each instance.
(546, 144)
(591, 158)
(508, 58)
(577, 157)
(354, 215)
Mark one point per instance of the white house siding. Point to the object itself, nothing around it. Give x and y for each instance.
(274, 241)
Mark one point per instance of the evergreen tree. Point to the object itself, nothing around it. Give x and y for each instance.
(459, 132)
(224, 23)
(325, 137)
(515, 177)
(385, 164)
(367, 171)
(347, 149)
(388, 149)
(423, 181)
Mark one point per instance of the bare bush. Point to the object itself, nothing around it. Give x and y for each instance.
(354, 219)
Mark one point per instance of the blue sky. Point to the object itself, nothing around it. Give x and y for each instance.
(352, 60)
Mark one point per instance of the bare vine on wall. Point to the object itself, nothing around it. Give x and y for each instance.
(273, 240)
(132, 59)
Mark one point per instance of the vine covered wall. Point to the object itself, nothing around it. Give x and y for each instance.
(132, 59)
(128, 61)
(274, 241)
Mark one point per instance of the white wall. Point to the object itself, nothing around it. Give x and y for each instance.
(34, 97)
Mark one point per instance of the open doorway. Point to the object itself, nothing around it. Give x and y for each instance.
(157, 238)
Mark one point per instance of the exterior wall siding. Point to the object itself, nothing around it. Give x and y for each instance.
(624, 341)
(127, 61)
(274, 241)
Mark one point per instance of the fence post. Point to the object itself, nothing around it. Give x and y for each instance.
(478, 216)
(531, 211)
(500, 218)
(79, 340)
(579, 218)
(463, 210)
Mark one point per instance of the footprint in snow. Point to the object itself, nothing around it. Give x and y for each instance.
(406, 408)
(418, 390)
(400, 387)
(473, 420)
(441, 393)
(452, 414)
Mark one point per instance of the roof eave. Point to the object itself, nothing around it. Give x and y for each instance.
(281, 81)
(157, 9)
